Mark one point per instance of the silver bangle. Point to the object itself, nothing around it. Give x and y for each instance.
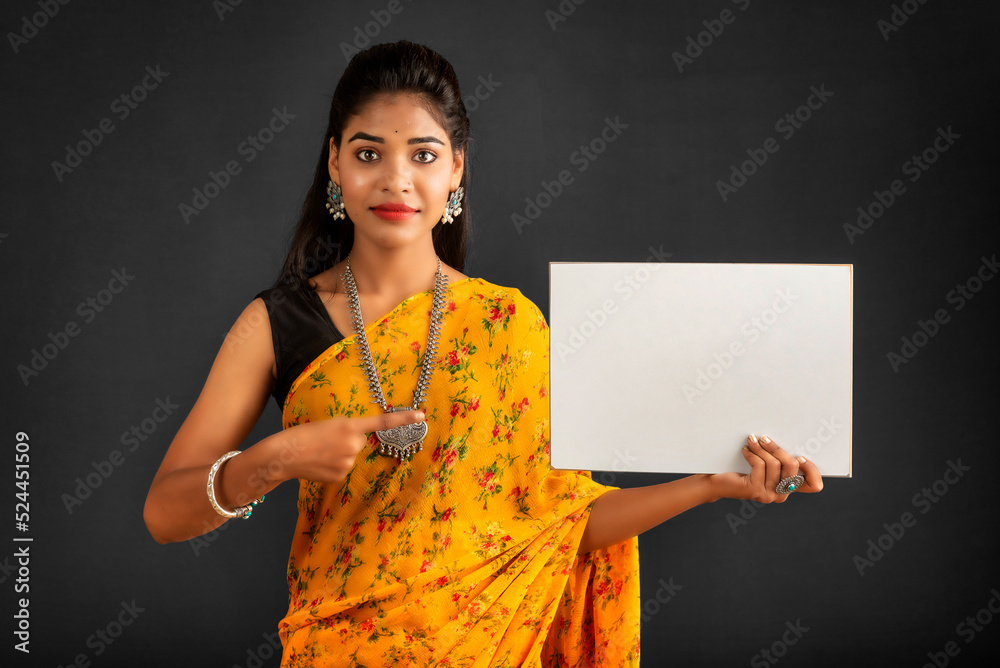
(242, 511)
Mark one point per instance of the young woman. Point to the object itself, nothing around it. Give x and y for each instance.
(431, 528)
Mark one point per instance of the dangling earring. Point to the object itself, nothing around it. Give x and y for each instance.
(454, 206)
(335, 200)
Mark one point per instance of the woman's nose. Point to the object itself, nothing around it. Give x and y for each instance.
(396, 174)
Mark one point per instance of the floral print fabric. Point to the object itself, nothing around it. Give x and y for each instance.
(466, 555)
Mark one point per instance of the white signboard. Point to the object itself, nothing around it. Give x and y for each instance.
(668, 367)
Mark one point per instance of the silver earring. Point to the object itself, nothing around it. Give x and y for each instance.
(335, 200)
(454, 206)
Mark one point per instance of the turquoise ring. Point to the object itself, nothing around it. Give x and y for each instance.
(790, 484)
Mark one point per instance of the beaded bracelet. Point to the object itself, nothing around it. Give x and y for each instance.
(242, 511)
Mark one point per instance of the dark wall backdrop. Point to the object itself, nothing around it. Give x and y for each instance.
(126, 300)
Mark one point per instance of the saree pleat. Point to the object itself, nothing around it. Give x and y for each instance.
(466, 555)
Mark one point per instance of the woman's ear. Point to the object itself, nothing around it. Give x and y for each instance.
(456, 174)
(333, 165)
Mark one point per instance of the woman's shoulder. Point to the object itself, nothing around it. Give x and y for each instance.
(482, 289)
(281, 294)
(502, 301)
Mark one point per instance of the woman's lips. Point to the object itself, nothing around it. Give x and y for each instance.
(393, 211)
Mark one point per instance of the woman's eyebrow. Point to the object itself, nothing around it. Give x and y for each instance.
(379, 140)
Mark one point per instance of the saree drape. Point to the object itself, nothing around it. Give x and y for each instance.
(465, 555)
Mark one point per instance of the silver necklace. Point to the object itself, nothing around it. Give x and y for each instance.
(404, 441)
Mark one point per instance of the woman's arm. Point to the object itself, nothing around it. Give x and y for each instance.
(235, 393)
(620, 514)
(238, 386)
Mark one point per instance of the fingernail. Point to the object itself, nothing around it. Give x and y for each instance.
(420, 415)
(801, 459)
(765, 439)
(753, 438)
(746, 447)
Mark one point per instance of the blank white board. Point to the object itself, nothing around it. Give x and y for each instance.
(668, 367)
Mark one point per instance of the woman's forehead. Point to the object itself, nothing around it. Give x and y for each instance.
(399, 112)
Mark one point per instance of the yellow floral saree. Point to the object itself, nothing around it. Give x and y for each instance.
(466, 555)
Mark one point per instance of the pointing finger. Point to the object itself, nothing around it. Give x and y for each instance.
(370, 423)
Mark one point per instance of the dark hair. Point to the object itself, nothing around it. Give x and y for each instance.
(401, 67)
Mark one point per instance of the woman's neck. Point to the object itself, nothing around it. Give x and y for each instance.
(392, 273)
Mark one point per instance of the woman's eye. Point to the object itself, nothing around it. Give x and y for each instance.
(425, 156)
(367, 155)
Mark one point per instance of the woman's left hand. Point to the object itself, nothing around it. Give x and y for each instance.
(769, 465)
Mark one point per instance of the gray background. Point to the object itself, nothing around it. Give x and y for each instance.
(735, 586)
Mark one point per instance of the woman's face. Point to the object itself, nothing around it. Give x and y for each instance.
(394, 153)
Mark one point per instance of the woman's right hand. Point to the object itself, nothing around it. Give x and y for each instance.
(324, 451)
(236, 391)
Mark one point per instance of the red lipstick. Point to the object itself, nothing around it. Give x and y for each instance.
(394, 211)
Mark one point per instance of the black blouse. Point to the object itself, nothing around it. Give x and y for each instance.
(301, 329)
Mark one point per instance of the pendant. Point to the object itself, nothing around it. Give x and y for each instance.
(404, 441)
